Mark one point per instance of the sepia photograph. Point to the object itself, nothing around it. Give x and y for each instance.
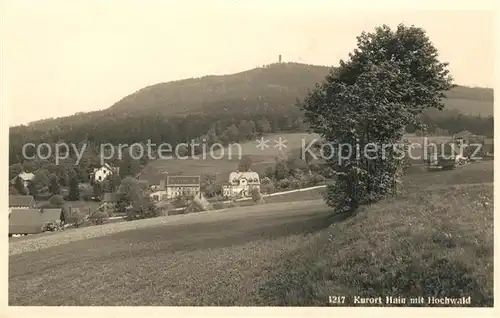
(241, 153)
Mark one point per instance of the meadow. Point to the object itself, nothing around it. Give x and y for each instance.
(435, 238)
(262, 157)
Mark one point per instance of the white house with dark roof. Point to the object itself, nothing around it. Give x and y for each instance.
(105, 171)
(241, 183)
(26, 177)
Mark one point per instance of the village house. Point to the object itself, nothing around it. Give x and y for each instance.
(105, 171)
(158, 195)
(26, 218)
(25, 177)
(22, 201)
(241, 184)
(182, 185)
(465, 137)
(175, 186)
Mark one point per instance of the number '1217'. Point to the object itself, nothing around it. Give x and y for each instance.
(335, 300)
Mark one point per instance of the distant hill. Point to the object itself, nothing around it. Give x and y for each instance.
(274, 86)
(284, 82)
(232, 107)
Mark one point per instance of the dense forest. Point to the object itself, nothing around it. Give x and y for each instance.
(219, 109)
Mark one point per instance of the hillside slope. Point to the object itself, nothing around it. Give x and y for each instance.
(228, 106)
(273, 86)
(286, 81)
(435, 239)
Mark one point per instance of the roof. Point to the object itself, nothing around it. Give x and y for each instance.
(464, 133)
(21, 200)
(106, 205)
(27, 221)
(155, 179)
(108, 166)
(160, 192)
(183, 181)
(31, 221)
(26, 176)
(250, 176)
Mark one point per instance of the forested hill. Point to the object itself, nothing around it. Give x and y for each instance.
(275, 85)
(281, 82)
(259, 100)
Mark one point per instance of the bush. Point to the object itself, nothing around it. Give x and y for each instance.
(294, 183)
(76, 218)
(142, 209)
(245, 163)
(256, 196)
(283, 184)
(267, 186)
(56, 200)
(270, 173)
(209, 186)
(197, 204)
(313, 180)
(182, 201)
(98, 217)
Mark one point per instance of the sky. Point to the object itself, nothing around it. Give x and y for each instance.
(63, 57)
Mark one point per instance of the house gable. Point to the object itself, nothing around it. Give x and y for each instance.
(24, 176)
(103, 172)
(183, 181)
(250, 176)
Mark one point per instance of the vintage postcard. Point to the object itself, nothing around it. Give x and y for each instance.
(248, 154)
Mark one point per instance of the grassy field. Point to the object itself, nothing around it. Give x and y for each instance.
(434, 239)
(436, 242)
(262, 159)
